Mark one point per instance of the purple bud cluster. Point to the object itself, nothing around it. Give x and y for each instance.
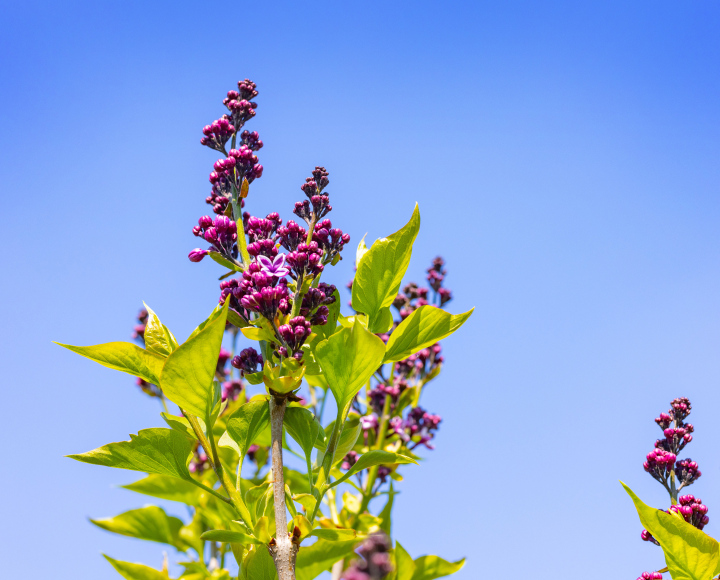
(139, 328)
(331, 240)
(315, 303)
(687, 472)
(650, 576)
(662, 463)
(221, 232)
(199, 462)
(691, 508)
(291, 235)
(306, 260)
(257, 291)
(240, 104)
(349, 460)
(413, 296)
(435, 277)
(676, 435)
(231, 389)
(374, 562)
(293, 335)
(248, 361)
(418, 427)
(223, 356)
(218, 133)
(240, 162)
(317, 205)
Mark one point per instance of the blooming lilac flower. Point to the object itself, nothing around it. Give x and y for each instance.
(275, 267)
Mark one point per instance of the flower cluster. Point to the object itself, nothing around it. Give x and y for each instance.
(663, 465)
(418, 427)
(374, 562)
(221, 232)
(248, 361)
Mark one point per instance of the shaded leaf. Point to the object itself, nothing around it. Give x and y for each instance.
(303, 427)
(259, 565)
(229, 537)
(247, 423)
(424, 327)
(165, 487)
(149, 523)
(314, 560)
(335, 534)
(375, 457)
(431, 567)
(131, 571)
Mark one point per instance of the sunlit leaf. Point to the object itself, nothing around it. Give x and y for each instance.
(348, 359)
(371, 458)
(689, 553)
(157, 336)
(157, 450)
(149, 523)
(424, 327)
(187, 377)
(123, 356)
(381, 269)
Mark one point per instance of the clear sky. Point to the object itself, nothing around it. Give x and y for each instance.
(566, 159)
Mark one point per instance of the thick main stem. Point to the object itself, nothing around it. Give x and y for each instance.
(283, 550)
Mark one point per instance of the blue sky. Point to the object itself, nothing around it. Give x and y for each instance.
(565, 159)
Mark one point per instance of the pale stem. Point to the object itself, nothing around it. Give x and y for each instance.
(283, 551)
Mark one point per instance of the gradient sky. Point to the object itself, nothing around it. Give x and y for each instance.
(565, 156)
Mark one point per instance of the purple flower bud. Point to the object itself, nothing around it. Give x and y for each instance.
(197, 254)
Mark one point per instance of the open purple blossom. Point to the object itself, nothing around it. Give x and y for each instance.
(275, 267)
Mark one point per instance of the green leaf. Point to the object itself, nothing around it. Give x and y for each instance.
(689, 553)
(424, 327)
(349, 436)
(381, 269)
(375, 457)
(229, 537)
(348, 359)
(131, 571)
(158, 338)
(187, 377)
(386, 513)
(247, 423)
(303, 427)
(259, 565)
(329, 327)
(220, 259)
(157, 450)
(125, 357)
(164, 487)
(361, 250)
(314, 560)
(335, 534)
(404, 564)
(150, 523)
(431, 567)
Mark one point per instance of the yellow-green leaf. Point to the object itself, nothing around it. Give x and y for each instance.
(424, 327)
(125, 357)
